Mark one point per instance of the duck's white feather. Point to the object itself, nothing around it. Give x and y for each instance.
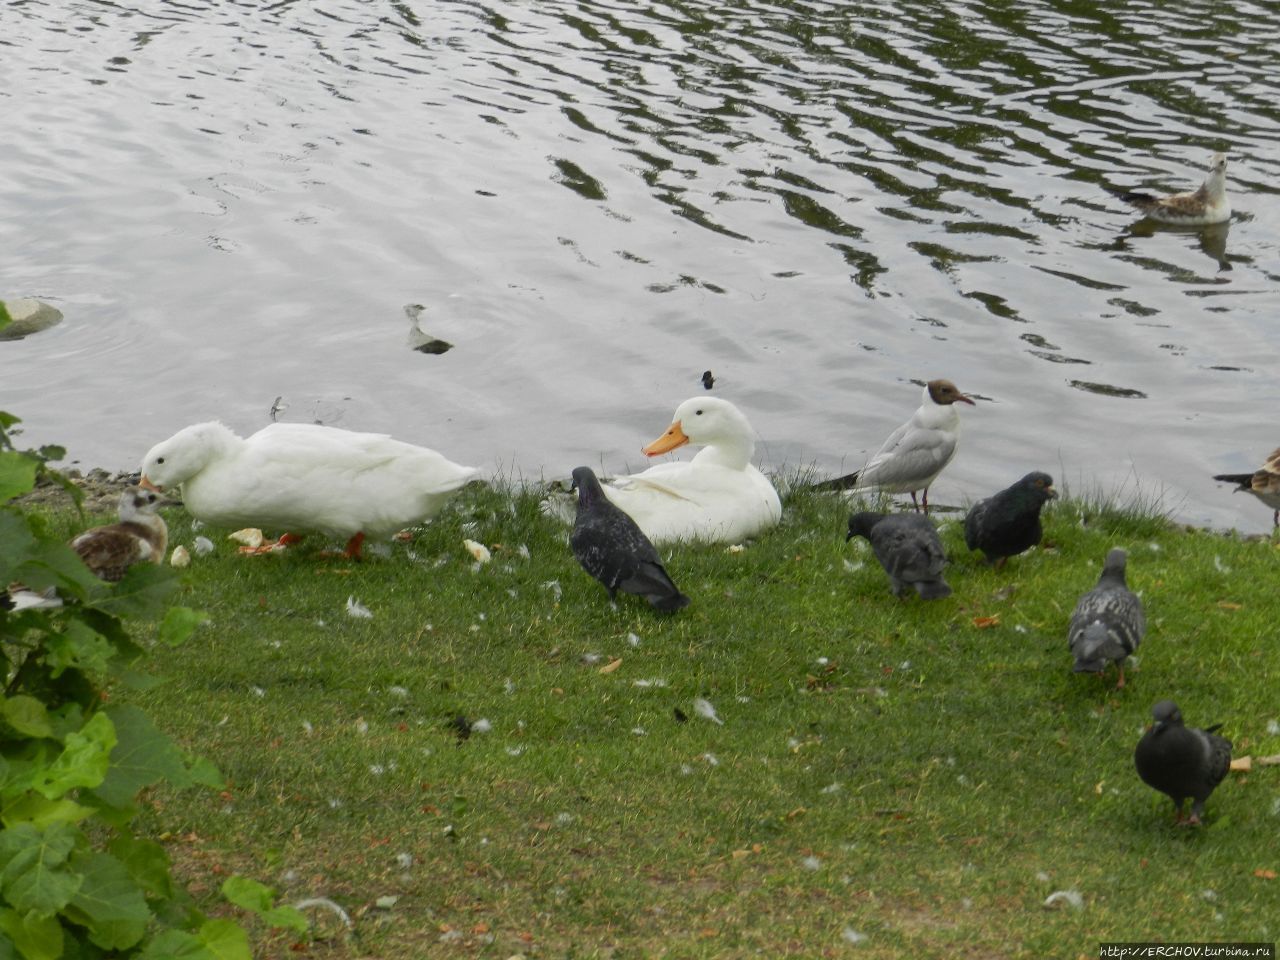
(719, 496)
(304, 477)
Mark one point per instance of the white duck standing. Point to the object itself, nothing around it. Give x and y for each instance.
(719, 496)
(301, 477)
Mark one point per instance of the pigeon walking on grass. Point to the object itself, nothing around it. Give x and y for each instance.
(613, 549)
(140, 536)
(1182, 761)
(915, 453)
(908, 547)
(1108, 622)
(1008, 522)
(1263, 483)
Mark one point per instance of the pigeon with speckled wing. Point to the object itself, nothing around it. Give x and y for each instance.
(1108, 622)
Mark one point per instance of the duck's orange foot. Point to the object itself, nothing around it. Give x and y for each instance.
(352, 552)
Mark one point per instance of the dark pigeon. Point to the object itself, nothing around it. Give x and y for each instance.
(1182, 761)
(1008, 522)
(907, 546)
(1108, 622)
(615, 551)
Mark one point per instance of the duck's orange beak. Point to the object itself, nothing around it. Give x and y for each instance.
(674, 437)
(146, 484)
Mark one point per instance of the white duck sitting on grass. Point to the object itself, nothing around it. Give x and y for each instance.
(304, 478)
(718, 497)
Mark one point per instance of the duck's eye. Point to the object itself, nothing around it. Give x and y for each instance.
(697, 413)
(159, 459)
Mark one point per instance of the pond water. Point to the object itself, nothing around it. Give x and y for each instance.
(594, 202)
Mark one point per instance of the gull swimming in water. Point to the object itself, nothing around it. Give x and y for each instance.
(914, 454)
(1205, 205)
(1263, 483)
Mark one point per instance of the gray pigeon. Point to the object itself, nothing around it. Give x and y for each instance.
(1008, 522)
(907, 546)
(1182, 761)
(615, 551)
(1108, 623)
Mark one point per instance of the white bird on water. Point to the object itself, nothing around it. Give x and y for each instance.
(916, 452)
(1205, 205)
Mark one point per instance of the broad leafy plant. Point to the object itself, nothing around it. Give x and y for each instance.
(75, 879)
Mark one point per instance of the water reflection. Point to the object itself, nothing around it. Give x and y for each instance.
(594, 201)
(1211, 239)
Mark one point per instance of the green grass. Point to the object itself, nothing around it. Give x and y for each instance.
(886, 769)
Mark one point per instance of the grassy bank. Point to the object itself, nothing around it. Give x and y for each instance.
(891, 778)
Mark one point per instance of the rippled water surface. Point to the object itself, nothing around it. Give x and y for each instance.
(595, 202)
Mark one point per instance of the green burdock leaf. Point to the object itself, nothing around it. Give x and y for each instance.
(248, 894)
(16, 541)
(177, 945)
(37, 938)
(17, 474)
(39, 561)
(226, 940)
(179, 623)
(27, 715)
(83, 762)
(146, 861)
(203, 773)
(258, 898)
(35, 878)
(141, 595)
(79, 646)
(39, 812)
(143, 755)
(109, 903)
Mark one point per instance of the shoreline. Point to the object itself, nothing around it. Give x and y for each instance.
(102, 487)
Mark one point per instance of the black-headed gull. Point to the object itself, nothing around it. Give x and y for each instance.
(140, 537)
(1207, 204)
(1263, 483)
(916, 452)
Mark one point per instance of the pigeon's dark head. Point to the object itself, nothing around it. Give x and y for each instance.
(586, 485)
(1114, 565)
(945, 392)
(1166, 714)
(861, 524)
(1039, 486)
